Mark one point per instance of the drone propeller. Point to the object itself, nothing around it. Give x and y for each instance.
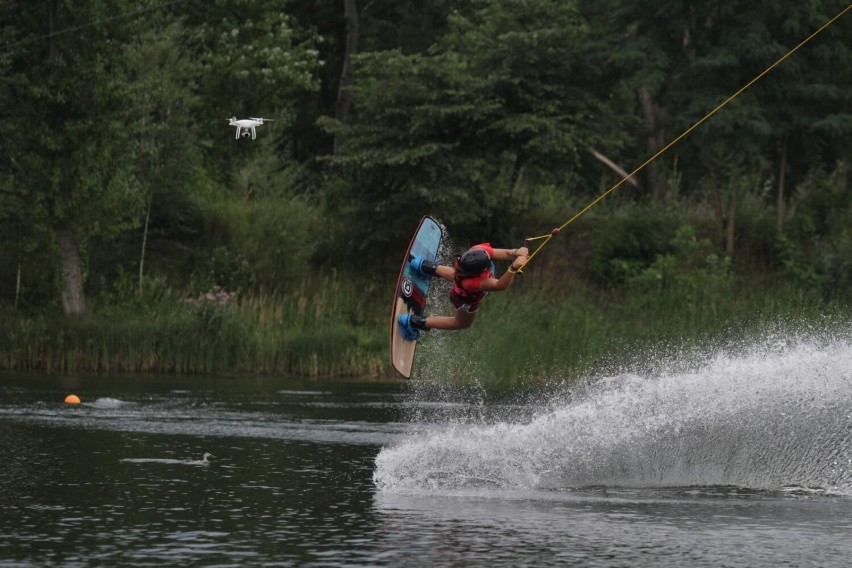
(261, 119)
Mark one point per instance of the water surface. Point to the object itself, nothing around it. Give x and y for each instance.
(738, 460)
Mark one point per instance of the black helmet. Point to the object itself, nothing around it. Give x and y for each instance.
(474, 262)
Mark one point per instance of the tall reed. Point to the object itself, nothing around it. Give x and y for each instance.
(311, 331)
(533, 337)
(531, 334)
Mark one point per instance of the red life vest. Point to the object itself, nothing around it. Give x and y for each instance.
(467, 289)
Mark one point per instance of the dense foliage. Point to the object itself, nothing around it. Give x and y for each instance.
(122, 186)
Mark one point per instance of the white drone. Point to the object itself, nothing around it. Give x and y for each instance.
(247, 126)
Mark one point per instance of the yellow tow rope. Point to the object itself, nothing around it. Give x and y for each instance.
(547, 237)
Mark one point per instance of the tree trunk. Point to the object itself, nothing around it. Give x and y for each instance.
(718, 210)
(344, 98)
(145, 241)
(73, 298)
(18, 286)
(732, 218)
(653, 115)
(782, 179)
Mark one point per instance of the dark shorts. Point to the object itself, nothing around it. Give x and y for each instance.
(461, 303)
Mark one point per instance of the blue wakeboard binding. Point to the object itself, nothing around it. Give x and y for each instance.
(423, 267)
(411, 325)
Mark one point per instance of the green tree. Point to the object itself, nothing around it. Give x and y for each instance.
(13, 227)
(655, 43)
(683, 59)
(505, 105)
(255, 61)
(68, 164)
(808, 98)
(804, 102)
(163, 80)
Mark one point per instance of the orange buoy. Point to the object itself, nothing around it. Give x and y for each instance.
(72, 399)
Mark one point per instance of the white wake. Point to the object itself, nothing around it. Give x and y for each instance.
(772, 415)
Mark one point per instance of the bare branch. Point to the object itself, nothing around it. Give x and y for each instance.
(614, 167)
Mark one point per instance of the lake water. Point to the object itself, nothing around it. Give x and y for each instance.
(733, 460)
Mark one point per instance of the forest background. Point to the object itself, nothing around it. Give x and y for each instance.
(136, 234)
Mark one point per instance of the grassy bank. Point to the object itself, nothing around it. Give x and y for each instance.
(526, 336)
(538, 339)
(310, 331)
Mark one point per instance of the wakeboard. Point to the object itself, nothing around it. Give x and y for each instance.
(412, 292)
